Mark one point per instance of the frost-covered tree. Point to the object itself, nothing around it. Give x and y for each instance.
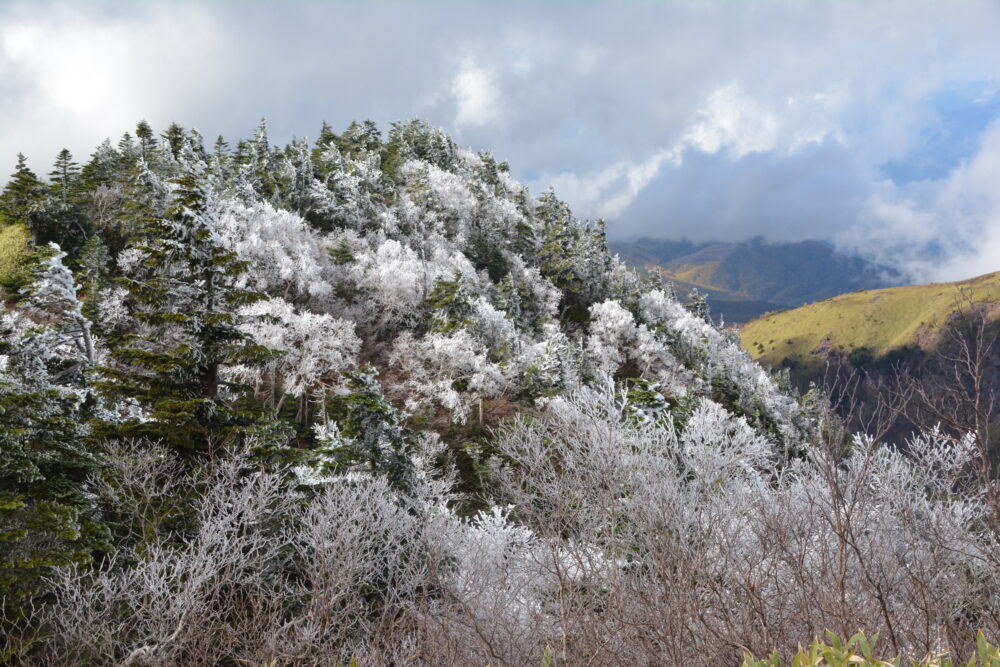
(286, 257)
(366, 433)
(450, 370)
(351, 194)
(184, 289)
(552, 366)
(47, 515)
(53, 296)
(315, 348)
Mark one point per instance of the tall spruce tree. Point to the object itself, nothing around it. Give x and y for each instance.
(186, 300)
(63, 179)
(47, 517)
(174, 136)
(22, 201)
(147, 141)
(66, 222)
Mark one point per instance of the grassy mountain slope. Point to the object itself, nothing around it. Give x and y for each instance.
(880, 320)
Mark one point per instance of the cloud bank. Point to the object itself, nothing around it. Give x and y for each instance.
(873, 125)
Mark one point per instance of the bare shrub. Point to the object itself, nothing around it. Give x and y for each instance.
(616, 540)
(171, 597)
(259, 573)
(683, 545)
(359, 566)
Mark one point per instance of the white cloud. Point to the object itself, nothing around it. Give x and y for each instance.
(82, 77)
(476, 95)
(729, 119)
(943, 229)
(605, 193)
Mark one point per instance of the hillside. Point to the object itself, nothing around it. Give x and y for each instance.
(879, 320)
(370, 401)
(752, 277)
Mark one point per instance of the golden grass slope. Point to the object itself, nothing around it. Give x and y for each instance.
(880, 319)
(14, 247)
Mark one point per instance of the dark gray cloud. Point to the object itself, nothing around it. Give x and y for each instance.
(683, 118)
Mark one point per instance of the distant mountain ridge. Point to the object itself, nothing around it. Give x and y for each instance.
(746, 279)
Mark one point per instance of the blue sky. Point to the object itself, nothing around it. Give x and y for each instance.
(873, 125)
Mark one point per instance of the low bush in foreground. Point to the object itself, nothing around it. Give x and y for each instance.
(859, 650)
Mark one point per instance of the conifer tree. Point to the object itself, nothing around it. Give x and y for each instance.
(360, 138)
(66, 222)
(46, 517)
(63, 179)
(326, 137)
(147, 140)
(185, 295)
(554, 254)
(54, 294)
(103, 168)
(94, 261)
(145, 196)
(697, 304)
(23, 199)
(448, 304)
(525, 237)
(175, 136)
(374, 435)
(128, 152)
(257, 160)
(194, 143)
(298, 177)
(222, 159)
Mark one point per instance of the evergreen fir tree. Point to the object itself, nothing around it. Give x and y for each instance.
(46, 516)
(145, 200)
(222, 160)
(22, 201)
(195, 144)
(103, 169)
(54, 295)
(697, 304)
(448, 305)
(299, 177)
(147, 140)
(258, 161)
(63, 179)
(175, 137)
(128, 152)
(66, 221)
(360, 138)
(186, 301)
(94, 261)
(375, 437)
(555, 261)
